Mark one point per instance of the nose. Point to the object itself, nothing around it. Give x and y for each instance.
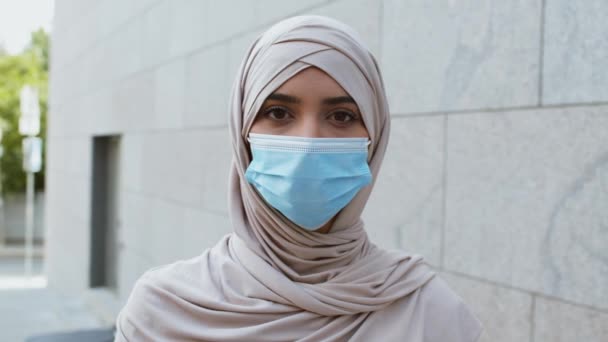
(309, 127)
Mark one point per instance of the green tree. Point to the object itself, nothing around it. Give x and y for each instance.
(29, 67)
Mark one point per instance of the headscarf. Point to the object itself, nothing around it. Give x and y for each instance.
(271, 280)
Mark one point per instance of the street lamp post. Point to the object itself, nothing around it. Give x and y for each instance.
(29, 126)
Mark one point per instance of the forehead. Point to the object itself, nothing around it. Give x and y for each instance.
(311, 83)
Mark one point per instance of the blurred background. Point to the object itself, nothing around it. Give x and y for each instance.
(497, 169)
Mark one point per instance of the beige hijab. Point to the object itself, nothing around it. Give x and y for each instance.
(272, 281)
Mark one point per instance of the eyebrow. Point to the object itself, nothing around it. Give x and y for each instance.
(327, 101)
(283, 98)
(338, 100)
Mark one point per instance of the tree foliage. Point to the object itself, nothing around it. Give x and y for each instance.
(29, 67)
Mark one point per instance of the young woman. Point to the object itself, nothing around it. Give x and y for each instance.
(309, 127)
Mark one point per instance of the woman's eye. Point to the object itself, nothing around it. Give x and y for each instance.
(277, 114)
(342, 117)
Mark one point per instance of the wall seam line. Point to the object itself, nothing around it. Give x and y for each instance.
(541, 53)
(501, 109)
(532, 316)
(444, 193)
(525, 291)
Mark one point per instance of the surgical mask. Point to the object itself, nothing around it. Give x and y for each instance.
(308, 179)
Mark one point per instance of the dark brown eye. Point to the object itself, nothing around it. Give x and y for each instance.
(277, 114)
(342, 117)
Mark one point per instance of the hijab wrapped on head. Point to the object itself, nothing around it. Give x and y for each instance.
(273, 281)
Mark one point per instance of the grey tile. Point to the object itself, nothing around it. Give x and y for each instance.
(216, 150)
(207, 87)
(560, 322)
(164, 231)
(230, 18)
(134, 221)
(159, 220)
(271, 11)
(131, 161)
(169, 95)
(449, 55)
(173, 164)
(202, 230)
(132, 106)
(127, 55)
(364, 16)
(405, 208)
(131, 266)
(189, 27)
(68, 224)
(504, 313)
(156, 38)
(525, 200)
(69, 154)
(92, 113)
(575, 64)
(188, 166)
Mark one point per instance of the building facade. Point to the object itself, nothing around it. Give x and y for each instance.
(496, 172)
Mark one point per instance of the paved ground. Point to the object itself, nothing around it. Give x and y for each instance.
(28, 308)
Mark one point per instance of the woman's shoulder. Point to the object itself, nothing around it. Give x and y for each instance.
(450, 317)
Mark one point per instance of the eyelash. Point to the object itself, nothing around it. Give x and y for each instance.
(352, 116)
(268, 112)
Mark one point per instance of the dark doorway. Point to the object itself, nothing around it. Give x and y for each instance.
(104, 212)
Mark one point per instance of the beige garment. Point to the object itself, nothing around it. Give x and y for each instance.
(273, 281)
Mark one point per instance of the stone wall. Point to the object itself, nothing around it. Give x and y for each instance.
(497, 169)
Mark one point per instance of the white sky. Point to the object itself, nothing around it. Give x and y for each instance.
(18, 18)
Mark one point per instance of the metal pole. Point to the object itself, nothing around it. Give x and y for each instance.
(29, 224)
(2, 222)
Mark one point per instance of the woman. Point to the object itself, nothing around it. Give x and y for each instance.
(309, 127)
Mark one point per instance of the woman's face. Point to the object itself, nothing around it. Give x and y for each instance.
(310, 104)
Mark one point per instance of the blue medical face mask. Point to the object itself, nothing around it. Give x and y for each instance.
(308, 179)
